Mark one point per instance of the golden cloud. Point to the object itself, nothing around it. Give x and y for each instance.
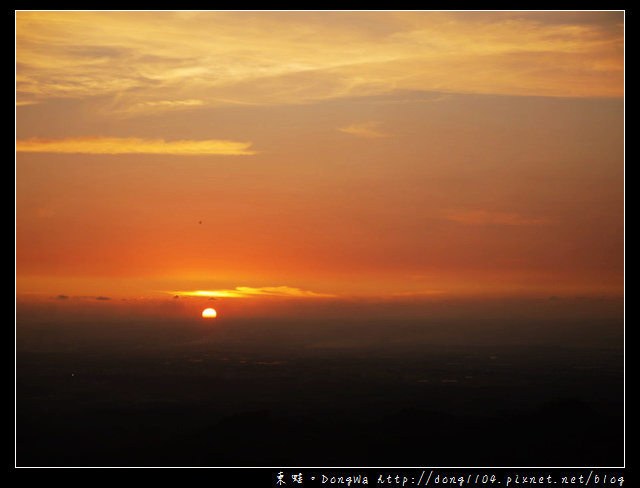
(132, 145)
(365, 129)
(248, 291)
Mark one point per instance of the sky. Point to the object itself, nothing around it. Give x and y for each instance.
(277, 160)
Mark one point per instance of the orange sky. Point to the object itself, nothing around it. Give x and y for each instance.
(319, 155)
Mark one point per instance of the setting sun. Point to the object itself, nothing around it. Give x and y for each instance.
(209, 313)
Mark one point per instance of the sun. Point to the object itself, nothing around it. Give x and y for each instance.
(209, 313)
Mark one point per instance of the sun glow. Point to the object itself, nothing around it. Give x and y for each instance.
(248, 291)
(209, 313)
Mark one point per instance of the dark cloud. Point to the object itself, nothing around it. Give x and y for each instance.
(84, 297)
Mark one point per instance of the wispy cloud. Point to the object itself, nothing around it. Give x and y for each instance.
(420, 293)
(257, 57)
(248, 291)
(158, 106)
(132, 145)
(365, 129)
(484, 217)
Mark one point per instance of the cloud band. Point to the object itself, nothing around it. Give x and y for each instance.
(133, 145)
(248, 291)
